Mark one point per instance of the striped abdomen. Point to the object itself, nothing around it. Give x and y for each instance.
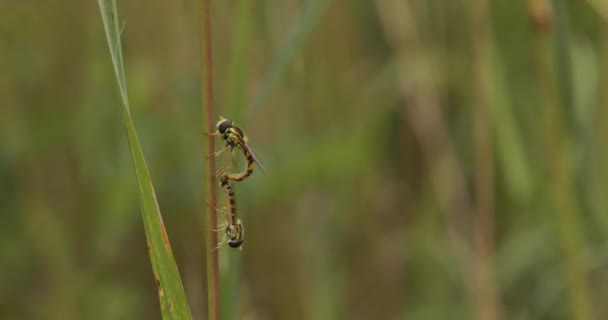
(234, 228)
(248, 171)
(225, 184)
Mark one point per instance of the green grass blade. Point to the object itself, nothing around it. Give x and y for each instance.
(170, 290)
(239, 69)
(312, 13)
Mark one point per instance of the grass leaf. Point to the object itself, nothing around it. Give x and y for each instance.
(170, 290)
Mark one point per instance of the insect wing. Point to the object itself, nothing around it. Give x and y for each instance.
(255, 157)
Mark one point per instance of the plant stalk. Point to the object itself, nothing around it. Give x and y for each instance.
(487, 300)
(211, 216)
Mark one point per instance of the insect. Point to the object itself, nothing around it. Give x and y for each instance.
(233, 226)
(235, 137)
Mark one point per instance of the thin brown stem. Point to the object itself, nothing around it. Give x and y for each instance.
(211, 216)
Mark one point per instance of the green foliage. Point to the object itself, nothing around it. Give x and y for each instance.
(366, 115)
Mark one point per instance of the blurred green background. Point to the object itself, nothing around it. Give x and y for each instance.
(428, 159)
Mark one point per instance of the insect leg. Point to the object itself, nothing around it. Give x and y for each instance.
(220, 228)
(221, 209)
(221, 244)
(216, 133)
(217, 153)
(225, 169)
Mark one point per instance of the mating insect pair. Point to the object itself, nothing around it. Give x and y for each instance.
(235, 138)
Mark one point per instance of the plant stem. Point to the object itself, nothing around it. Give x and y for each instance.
(550, 33)
(487, 300)
(211, 217)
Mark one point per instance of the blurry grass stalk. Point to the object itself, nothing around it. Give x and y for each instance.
(487, 301)
(170, 289)
(510, 146)
(230, 263)
(210, 236)
(311, 14)
(427, 120)
(550, 37)
(238, 68)
(601, 132)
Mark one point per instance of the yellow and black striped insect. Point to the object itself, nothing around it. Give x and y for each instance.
(233, 226)
(234, 137)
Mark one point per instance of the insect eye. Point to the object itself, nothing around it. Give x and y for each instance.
(224, 125)
(235, 243)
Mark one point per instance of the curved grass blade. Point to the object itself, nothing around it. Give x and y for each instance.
(170, 290)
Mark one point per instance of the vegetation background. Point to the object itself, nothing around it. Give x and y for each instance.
(428, 159)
